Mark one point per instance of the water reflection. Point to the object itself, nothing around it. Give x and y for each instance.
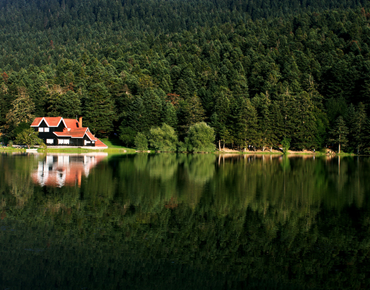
(65, 169)
(221, 222)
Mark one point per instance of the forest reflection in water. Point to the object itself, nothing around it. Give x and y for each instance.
(187, 221)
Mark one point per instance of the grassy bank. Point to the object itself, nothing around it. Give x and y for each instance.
(113, 148)
(81, 150)
(11, 149)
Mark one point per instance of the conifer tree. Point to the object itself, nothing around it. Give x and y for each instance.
(99, 110)
(169, 115)
(339, 133)
(262, 104)
(191, 112)
(359, 127)
(246, 125)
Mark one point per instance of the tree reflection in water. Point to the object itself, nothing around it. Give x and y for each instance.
(206, 222)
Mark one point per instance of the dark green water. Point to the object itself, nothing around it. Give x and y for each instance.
(184, 222)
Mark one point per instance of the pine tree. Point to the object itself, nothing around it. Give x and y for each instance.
(246, 125)
(191, 112)
(359, 127)
(305, 122)
(266, 133)
(339, 133)
(169, 115)
(99, 110)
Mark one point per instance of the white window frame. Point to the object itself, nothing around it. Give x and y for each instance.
(63, 141)
(41, 129)
(49, 141)
(46, 129)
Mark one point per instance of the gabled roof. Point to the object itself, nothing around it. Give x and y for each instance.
(77, 133)
(91, 136)
(100, 144)
(72, 129)
(72, 123)
(50, 121)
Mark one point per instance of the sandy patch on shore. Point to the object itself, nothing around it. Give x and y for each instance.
(228, 150)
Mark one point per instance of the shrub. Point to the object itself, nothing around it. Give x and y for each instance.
(127, 136)
(201, 137)
(163, 139)
(286, 145)
(141, 142)
(28, 137)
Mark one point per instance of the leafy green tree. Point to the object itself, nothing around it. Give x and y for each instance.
(22, 109)
(163, 139)
(339, 133)
(286, 145)
(28, 137)
(201, 137)
(127, 135)
(141, 142)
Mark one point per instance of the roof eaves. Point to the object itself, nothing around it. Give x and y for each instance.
(38, 123)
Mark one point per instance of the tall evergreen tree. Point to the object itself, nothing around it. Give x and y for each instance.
(99, 110)
(339, 133)
(359, 127)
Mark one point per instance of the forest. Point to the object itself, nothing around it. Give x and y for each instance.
(260, 73)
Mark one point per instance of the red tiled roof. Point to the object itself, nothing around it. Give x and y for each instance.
(75, 133)
(91, 136)
(100, 144)
(50, 121)
(36, 122)
(72, 129)
(71, 123)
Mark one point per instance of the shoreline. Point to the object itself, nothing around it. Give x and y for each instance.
(133, 151)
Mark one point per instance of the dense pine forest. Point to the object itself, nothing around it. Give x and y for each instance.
(260, 73)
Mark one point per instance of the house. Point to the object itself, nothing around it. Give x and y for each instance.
(60, 132)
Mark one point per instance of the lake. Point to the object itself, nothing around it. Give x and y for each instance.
(177, 221)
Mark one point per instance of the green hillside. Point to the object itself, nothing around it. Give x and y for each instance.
(258, 72)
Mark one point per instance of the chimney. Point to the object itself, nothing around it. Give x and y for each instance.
(80, 122)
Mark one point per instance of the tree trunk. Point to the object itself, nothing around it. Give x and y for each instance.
(219, 145)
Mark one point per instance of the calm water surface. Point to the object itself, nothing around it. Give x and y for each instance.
(171, 221)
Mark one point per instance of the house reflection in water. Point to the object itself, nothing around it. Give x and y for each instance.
(65, 169)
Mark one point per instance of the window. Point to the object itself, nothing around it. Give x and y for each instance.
(87, 142)
(41, 129)
(49, 141)
(46, 129)
(63, 141)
